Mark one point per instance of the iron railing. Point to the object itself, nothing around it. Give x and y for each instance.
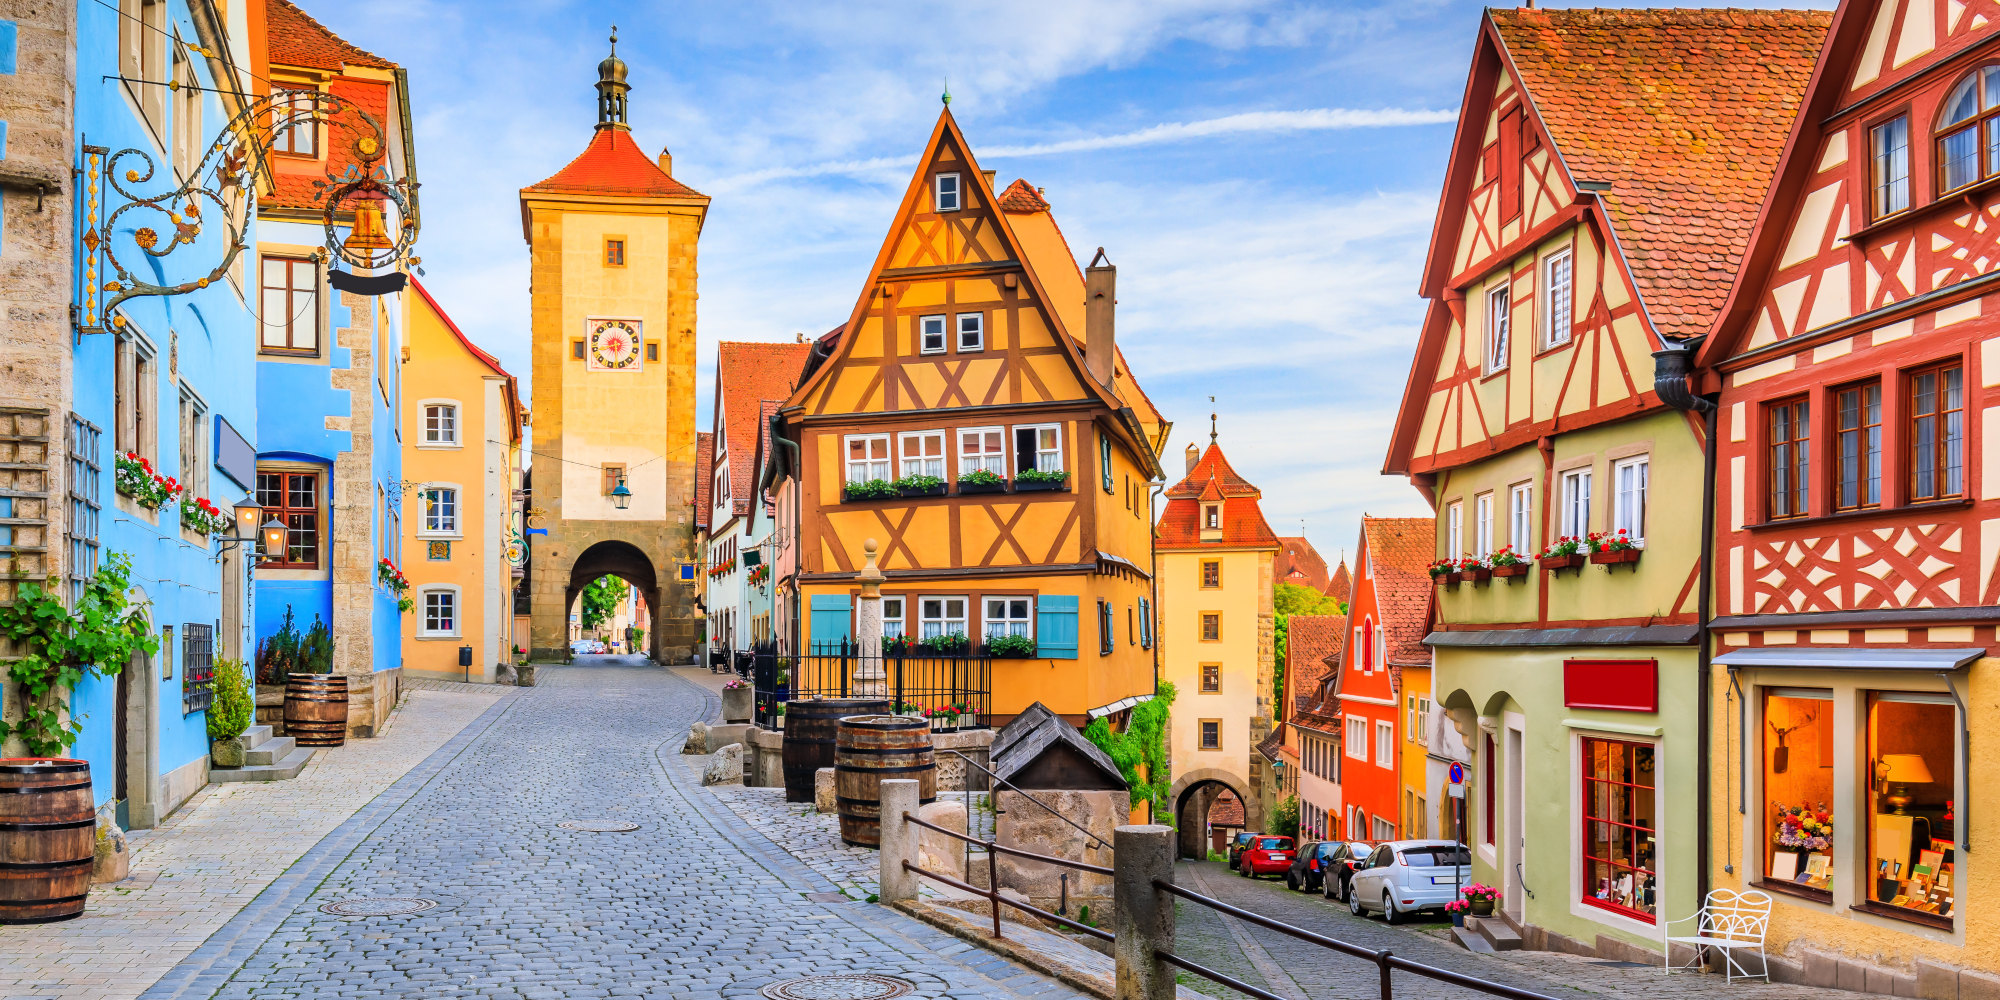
(992, 892)
(953, 691)
(197, 667)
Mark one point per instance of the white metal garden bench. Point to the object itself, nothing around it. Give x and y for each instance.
(1728, 923)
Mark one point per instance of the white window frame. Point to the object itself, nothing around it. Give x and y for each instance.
(1211, 517)
(1421, 727)
(944, 619)
(976, 327)
(1054, 456)
(1628, 500)
(904, 457)
(938, 325)
(895, 616)
(1356, 743)
(1499, 324)
(1454, 529)
(984, 460)
(193, 420)
(1482, 524)
(947, 197)
(1384, 830)
(457, 419)
(1558, 317)
(1385, 743)
(887, 461)
(449, 525)
(424, 595)
(1521, 518)
(1009, 625)
(1576, 502)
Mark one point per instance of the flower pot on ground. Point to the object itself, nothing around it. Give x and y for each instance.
(524, 675)
(1482, 907)
(226, 753)
(737, 702)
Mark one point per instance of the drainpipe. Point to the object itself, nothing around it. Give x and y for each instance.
(1673, 367)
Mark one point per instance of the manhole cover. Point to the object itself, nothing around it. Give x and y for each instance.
(378, 906)
(598, 825)
(859, 987)
(828, 897)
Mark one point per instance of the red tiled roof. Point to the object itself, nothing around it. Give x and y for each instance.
(613, 164)
(298, 40)
(1312, 645)
(1684, 114)
(1212, 465)
(1400, 551)
(1212, 480)
(1299, 563)
(1226, 810)
(747, 376)
(295, 190)
(1020, 197)
(704, 477)
(1341, 585)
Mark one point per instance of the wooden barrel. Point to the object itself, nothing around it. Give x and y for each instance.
(316, 709)
(809, 735)
(48, 835)
(867, 749)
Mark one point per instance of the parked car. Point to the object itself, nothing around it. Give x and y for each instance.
(1310, 866)
(1404, 877)
(1236, 846)
(581, 646)
(1348, 858)
(1266, 855)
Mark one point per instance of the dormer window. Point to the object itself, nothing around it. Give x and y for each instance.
(1211, 517)
(947, 199)
(293, 128)
(1889, 167)
(1968, 142)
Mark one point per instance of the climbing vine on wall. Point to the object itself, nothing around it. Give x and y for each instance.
(58, 646)
(1141, 751)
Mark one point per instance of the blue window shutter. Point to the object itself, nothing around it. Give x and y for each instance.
(1145, 624)
(1055, 626)
(832, 624)
(1104, 460)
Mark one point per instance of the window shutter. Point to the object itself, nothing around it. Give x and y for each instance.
(1104, 628)
(1055, 626)
(1104, 460)
(832, 624)
(1145, 623)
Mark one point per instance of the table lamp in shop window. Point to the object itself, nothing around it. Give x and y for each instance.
(1899, 771)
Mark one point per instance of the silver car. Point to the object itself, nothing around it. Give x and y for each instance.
(1403, 877)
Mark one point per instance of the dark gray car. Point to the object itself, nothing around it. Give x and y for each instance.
(1309, 866)
(1347, 858)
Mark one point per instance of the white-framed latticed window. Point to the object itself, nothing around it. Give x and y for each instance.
(940, 616)
(440, 424)
(868, 458)
(440, 606)
(440, 511)
(1009, 616)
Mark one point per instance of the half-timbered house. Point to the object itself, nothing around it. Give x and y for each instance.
(974, 418)
(1858, 527)
(1602, 180)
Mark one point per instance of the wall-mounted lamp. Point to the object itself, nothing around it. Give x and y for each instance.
(621, 497)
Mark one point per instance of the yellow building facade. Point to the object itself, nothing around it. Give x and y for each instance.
(461, 431)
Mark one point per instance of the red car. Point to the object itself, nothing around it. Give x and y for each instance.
(1266, 856)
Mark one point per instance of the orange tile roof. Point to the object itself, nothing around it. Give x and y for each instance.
(704, 477)
(295, 190)
(613, 164)
(1684, 114)
(1400, 551)
(1211, 480)
(1226, 810)
(1341, 585)
(1212, 465)
(298, 40)
(747, 376)
(1022, 198)
(1299, 563)
(1313, 644)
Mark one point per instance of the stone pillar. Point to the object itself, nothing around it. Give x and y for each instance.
(871, 678)
(900, 840)
(1144, 917)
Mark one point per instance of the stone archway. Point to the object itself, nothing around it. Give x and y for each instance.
(1194, 792)
(624, 561)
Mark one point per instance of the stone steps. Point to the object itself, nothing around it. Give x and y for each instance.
(1471, 941)
(1496, 932)
(270, 750)
(287, 766)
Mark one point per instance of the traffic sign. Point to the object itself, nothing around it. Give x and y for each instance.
(1456, 773)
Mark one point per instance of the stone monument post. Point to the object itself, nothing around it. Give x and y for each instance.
(871, 679)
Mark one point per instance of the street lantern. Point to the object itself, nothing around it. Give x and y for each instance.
(248, 513)
(620, 496)
(274, 539)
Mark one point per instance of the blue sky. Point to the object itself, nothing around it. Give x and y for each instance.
(1264, 174)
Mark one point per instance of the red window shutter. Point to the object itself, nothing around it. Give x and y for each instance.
(1510, 165)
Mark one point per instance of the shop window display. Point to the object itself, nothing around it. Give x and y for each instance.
(1913, 770)
(1619, 821)
(1798, 787)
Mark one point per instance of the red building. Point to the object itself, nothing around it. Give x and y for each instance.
(1386, 622)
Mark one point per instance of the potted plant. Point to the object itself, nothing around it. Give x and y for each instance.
(203, 517)
(229, 713)
(981, 481)
(783, 685)
(1011, 647)
(919, 486)
(946, 644)
(1505, 563)
(873, 489)
(1563, 553)
(135, 478)
(737, 701)
(1457, 908)
(1611, 548)
(1447, 571)
(520, 655)
(389, 576)
(1037, 480)
(1482, 898)
(898, 645)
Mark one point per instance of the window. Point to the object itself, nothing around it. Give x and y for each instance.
(1211, 574)
(1968, 143)
(1937, 431)
(1009, 616)
(1357, 737)
(868, 458)
(1385, 744)
(1410, 718)
(614, 473)
(1423, 714)
(923, 453)
(971, 332)
(1798, 786)
(981, 449)
(1520, 518)
(930, 330)
(194, 445)
(135, 387)
(440, 424)
(1038, 447)
(84, 507)
(1384, 830)
(652, 350)
(1104, 467)
(290, 306)
(293, 129)
(1912, 791)
(440, 511)
(1790, 458)
(1482, 509)
(293, 499)
(1145, 623)
(1490, 768)
(1211, 517)
(1496, 328)
(1454, 530)
(1211, 734)
(941, 616)
(1558, 298)
(614, 251)
(1889, 167)
(1211, 678)
(1104, 628)
(1618, 826)
(1211, 626)
(576, 349)
(142, 44)
(1576, 503)
(1857, 453)
(1628, 509)
(440, 612)
(893, 622)
(947, 199)
(189, 142)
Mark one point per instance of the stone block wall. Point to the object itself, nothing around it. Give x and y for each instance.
(1025, 826)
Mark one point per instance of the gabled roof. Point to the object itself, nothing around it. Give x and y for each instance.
(1212, 480)
(1313, 646)
(1683, 113)
(1212, 465)
(614, 165)
(1299, 563)
(1226, 810)
(1020, 197)
(295, 39)
(748, 376)
(1341, 585)
(704, 477)
(1036, 733)
(1399, 550)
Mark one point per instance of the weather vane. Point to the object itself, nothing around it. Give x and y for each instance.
(1211, 420)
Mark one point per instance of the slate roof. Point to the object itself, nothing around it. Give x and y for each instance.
(1299, 563)
(1211, 480)
(704, 477)
(1020, 742)
(1341, 585)
(1400, 551)
(748, 375)
(1313, 645)
(295, 39)
(1684, 114)
(613, 164)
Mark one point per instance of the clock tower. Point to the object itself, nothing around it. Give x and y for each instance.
(612, 243)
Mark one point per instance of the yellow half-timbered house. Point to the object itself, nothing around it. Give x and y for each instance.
(974, 418)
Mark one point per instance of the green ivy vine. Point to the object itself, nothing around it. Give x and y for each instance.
(60, 645)
(1142, 744)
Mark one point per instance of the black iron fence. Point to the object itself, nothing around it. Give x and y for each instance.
(953, 691)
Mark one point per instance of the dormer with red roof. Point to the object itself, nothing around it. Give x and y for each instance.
(299, 54)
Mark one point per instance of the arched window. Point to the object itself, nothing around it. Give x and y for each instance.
(1968, 138)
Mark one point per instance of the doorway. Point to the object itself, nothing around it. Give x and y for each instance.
(136, 737)
(1512, 836)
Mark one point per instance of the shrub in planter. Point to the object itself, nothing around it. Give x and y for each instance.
(1018, 647)
(229, 713)
(919, 486)
(873, 489)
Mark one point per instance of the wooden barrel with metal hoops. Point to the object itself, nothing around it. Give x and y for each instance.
(48, 836)
(867, 749)
(809, 733)
(316, 709)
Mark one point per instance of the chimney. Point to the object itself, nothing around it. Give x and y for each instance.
(1100, 303)
(666, 161)
(988, 175)
(1193, 456)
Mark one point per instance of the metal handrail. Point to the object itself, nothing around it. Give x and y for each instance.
(1384, 959)
(997, 899)
(995, 845)
(1096, 840)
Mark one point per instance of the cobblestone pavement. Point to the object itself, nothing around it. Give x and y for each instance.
(200, 866)
(811, 836)
(688, 904)
(1295, 968)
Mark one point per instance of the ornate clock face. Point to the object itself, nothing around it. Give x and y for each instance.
(614, 345)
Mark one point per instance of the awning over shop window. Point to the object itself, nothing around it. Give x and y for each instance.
(1852, 658)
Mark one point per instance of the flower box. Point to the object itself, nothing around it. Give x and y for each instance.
(969, 489)
(1479, 575)
(1515, 569)
(1615, 557)
(867, 492)
(1040, 485)
(1451, 579)
(920, 491)
(1556, 564)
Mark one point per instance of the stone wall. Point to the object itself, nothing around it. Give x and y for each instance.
(1025, 826)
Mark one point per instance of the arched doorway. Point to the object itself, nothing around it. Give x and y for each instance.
(624, 561)
(1208, 794)
(135, 736)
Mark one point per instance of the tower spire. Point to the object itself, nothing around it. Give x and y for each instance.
(611, 88)
(1211, 421)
